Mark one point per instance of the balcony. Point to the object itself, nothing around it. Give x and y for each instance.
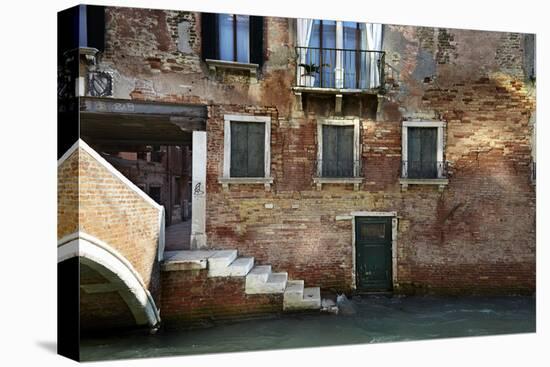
(341, 172)
(339, 72)
(423, 173)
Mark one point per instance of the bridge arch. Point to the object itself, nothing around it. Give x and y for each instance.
(111, 265)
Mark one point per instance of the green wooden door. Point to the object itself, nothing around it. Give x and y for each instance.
(373, 253)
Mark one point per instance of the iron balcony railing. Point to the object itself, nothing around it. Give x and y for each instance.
(338, 169)
(339, 68)
(423, 169)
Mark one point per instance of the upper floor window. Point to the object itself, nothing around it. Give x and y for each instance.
(247, 150)
(334, 54)
(338, 148)
(232, 37)
(422, 150)
(337, 155)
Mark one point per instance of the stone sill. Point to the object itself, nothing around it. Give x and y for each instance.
(356, 181)
(213, 65)
(226, 181)
(440, 182)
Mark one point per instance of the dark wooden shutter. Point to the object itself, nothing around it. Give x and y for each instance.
(422, 152)
(256, 149)
(95, 25)
(337, 151)
(345, 151)
(413, 152)
(330, 151)
(239, 149)
(209, 35)
(247, 149)
(429, 152)
(256, 35)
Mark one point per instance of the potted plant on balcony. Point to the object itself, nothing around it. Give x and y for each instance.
(307, 79)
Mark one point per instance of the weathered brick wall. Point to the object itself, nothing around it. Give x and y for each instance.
(191, 296)
(150, 60)
(479, 233)
(67, 196)
(115, 214)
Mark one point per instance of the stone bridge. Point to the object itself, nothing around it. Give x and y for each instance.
(116, 232)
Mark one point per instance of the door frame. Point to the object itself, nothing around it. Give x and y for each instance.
(394, 222)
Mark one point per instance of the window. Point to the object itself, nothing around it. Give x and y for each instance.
(232, 37)
(338, 152)
(422, 153)
(343, 55)
(247, 141)
(337, 158)
(247, 149)
(341, 68)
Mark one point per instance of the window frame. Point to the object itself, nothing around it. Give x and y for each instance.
(441, 180)
(356, 143)
(226, 178)
(210, 47)
(356, 180)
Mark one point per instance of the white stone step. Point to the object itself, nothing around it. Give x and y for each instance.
(241, 266)
(238, 268)
(221, 259)
(275, 283)
(294, 292)
(311, 298)
(258, 274)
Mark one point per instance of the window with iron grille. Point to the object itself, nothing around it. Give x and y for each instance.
(422, 152)
(337, 158)
(338, 148)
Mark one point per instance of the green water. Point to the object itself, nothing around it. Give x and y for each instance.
(374, 320)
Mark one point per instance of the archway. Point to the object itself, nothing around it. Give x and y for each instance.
(109, 273)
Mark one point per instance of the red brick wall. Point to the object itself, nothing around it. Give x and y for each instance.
(189, 296)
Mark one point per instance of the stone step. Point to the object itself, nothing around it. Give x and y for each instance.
(221, 259)
(275, 283)
(311, 298)
(186, 260)
(294, 291)
(258, 274)
(238, 268)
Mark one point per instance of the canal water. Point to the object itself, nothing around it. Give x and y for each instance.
(372, 319)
